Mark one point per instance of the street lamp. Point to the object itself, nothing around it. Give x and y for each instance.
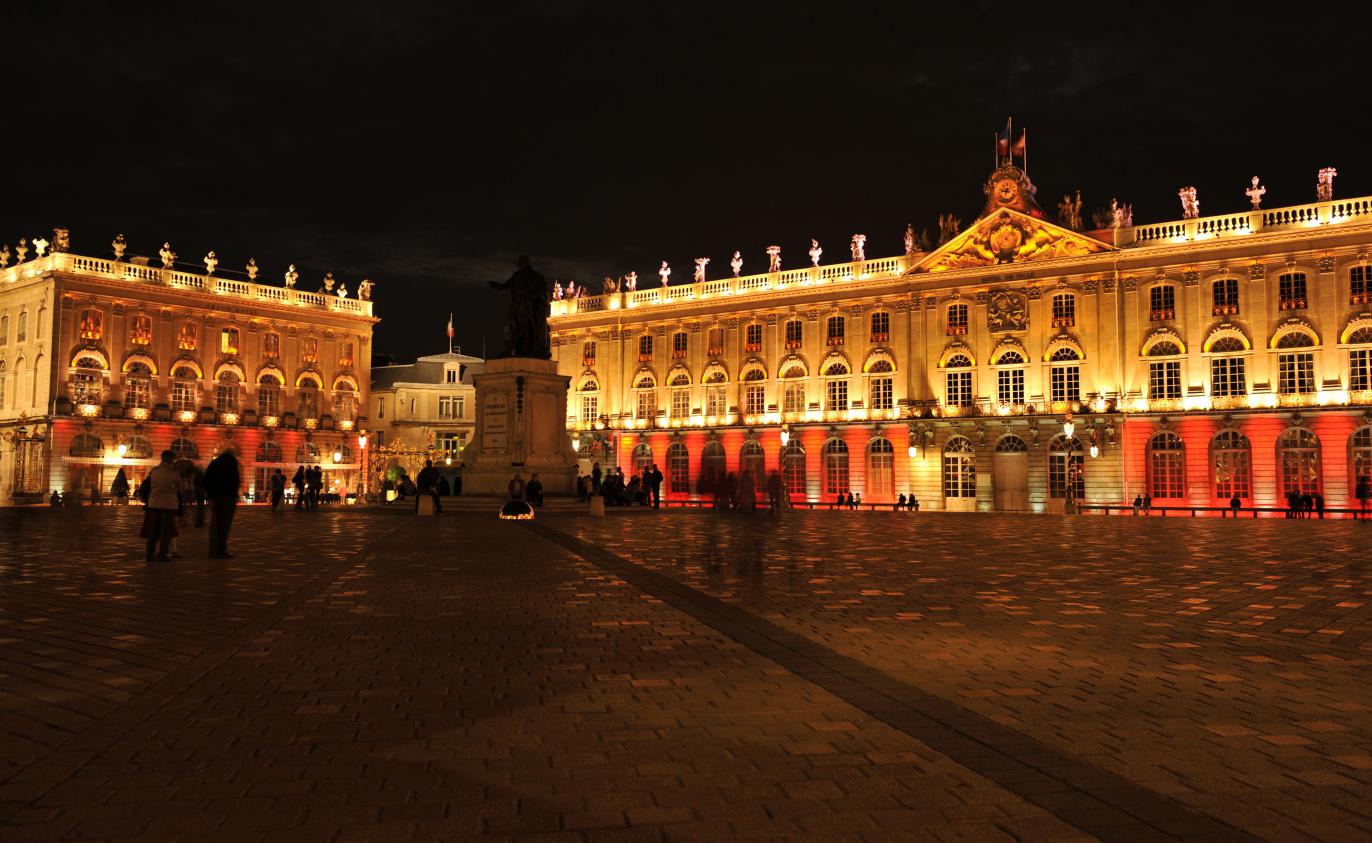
(1069, 505)
(362, 455)
(122, 449)
(337, 456)
(785, 437)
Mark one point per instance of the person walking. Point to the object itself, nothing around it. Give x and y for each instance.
(160, 505)
(533, 490)
(654, 480)
(278, 484)
(298, 481)
(314, 481)
(595, 478)
(1363, 492)
(1319, 505)
(427, 481)
(221, 486)
(774, 491)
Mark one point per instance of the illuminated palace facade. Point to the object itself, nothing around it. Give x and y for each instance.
(105, 363)
(1199, 359)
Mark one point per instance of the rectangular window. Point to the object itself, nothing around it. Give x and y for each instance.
(1291, 291)
(681, 403)
(834, 330)
(4, 330)
(882, 394)
(588, 353)
(182, 396)
(1360, 285)
(310, 350)
(1064, 310)
(793, 396)
(1227, 377)
(716, 401)
(1164, 379)
(1064, 383)
(447, 407)
(1010, 386)
(140, 330)
(795, 334)
(226, 397)
(647, 404)
(958, 389)
(1162, 303)
(957, 319)
(345, 354)
(268, 400)
(138, 392)
(1225, 295)
(645, 349)
(1360, 369)
(271, 345)
(186, 337)
(92, 325)
(590, 408)
(86, 387)
(752, 338)
(228, 341)
(1296, 373)
(1065, 469)
(836, 394)
(679, 348)
(21, 332)
(754, 399)
(881, 327)
(450, 443)
(715, 342)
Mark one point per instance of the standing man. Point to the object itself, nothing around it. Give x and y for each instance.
(427, 481)
(1363, 492)
(221, 486)
(159, 519)
(278, 489)
(654, 480)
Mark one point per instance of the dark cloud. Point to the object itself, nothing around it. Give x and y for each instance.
(428, 145)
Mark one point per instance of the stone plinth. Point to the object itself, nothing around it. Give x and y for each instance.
(521, 412)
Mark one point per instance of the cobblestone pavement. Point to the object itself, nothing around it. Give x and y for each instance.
(357, 674)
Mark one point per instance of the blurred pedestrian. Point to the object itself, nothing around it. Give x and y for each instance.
(222, 483)
(160, 503)
(298, 481)
(533, 490)
(278, 489)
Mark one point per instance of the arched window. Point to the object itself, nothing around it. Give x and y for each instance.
(1360, 360)
(269, 395)
(184, 448)
(1164, 376)
(1011, 444)
(1064, 375)
(86, 446)
(307, 395)
(1064, 310)
(137, 448)
(306, 453)
(1295, 369)
(754, 391)
(1010, 380)
(713, 464)
(1224, 294)
(881, 469)
(881, 385)
(836, 387)
(958, 381)
(270, 452)
(678, 469)
(793, 468)
(590, 400)
(4, 330)
(1298, 454)
(184, 395)
(1231, 455)
(959, 468)
(793, 398)
(344, 402)
(1066, 471)
(1166, 466)
(21, 332)
(752, 462)
(87, 382)
(138, 386)
(226, 392)
(835, 455)
(645, 394)
(642, 457)
(716, 393)
(1360, 457)
(1227, 373)
(4, 375)
(680, 383)
(1162, 303)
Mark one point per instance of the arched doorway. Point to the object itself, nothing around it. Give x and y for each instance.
(959, 474)
(1010, 474)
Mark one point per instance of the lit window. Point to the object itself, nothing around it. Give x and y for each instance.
(881, 469)
(1225, 296)
(138, 386)
(271, 345)
(678, 469)
(795, 334)
(1162, 303)
(87, 382)
(958, 381)
(1360, 285)
(228, 341)
(881, 327)
(715, 342)
(140, 330)
(836, 388)
(1166, 466)
(588, 353)
(957, 319)
(1227, 377)
(679, 341)
(752, 337)
(1066, 469)
(834, 330)
(1298, 453)
(835, 456)
(345, 354)
(881, 393)
(681, 403)
(184, 396)
(310, 350)
(268, 396)
(1291, 291)
(344, 403)
(226, 393)
(1064, 310)
(1231, 456)
(186, 337)
(959, 468)
(716, 401)
(1064, 381)
(645, 348)
(92, 325)
(1164, 379)
(793, 468)
(309, 400)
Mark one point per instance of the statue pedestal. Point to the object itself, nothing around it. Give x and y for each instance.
(521, 426)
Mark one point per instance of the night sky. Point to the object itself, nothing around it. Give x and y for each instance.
(426, 147)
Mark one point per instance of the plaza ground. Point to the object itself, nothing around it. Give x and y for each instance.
(360, 674)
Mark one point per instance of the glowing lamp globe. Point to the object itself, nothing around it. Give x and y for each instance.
(122, 449)
(337, 457)
(1068, 428)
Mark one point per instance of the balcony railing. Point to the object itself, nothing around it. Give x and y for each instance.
(791, 345)
(1292, 303)
(753, 346)
(1064, 321)
(881, 336)
(1244, 223)
(645, 357)
(835, 340)
(956, 330)
(678, 354)
(715, 350)
(1360, 298)
(1164, 314)
(1225, 310)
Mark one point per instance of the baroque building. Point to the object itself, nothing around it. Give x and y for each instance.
(1195, 360)
(104, 363)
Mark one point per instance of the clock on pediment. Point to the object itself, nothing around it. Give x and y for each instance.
(1009, 187)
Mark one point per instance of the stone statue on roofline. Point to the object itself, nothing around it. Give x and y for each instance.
(167, 255)
(5, 256)
(948, 228)
(39, 247)
(291, 276)
(21, 252)
(773, 258)
(909, 239)
(664, 272)
(119, 245)
(1190, 205)
(526, 326)
(815, 252)
(557, 290)
(859, 247)
(608, 285)
(1324, 187)
(1069, 212)
(342, 291)
(61, 240)
(699, 275)
(328, 282)
(631, 281)
(736, 263)
(1255, 194)
(364, 290)
(211, 261)
(252, 269)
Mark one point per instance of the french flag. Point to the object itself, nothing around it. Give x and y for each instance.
(1003, 139)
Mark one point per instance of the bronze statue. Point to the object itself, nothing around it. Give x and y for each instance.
(526, 328)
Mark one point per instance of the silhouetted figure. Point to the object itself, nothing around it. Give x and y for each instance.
(1147, 504)
(533, 490)
(515, 488)
(427, 483)
(654, 481)
(298, 481)
(774, 491)
(526, 326)
(222, 483)
(900, 502)
(160, 502)
(1293, 503)
(1363, 492)
(119, 489)
(443, 488)
(1234, 504)
(1319, 505)
(278, 484)
(1138, 504)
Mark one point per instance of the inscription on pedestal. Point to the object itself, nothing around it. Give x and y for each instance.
(495, 431)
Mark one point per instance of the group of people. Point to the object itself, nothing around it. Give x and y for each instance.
(1304, 504)
(171, 489)
(643, 488)
(531, 492)
(308, 483)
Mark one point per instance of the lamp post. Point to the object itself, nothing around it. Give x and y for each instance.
(362, 455)
(1069, 506)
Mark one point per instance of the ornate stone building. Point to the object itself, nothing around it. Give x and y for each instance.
(1198, 359)
(104, 363)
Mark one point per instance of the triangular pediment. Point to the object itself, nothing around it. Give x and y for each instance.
(1007, 236)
